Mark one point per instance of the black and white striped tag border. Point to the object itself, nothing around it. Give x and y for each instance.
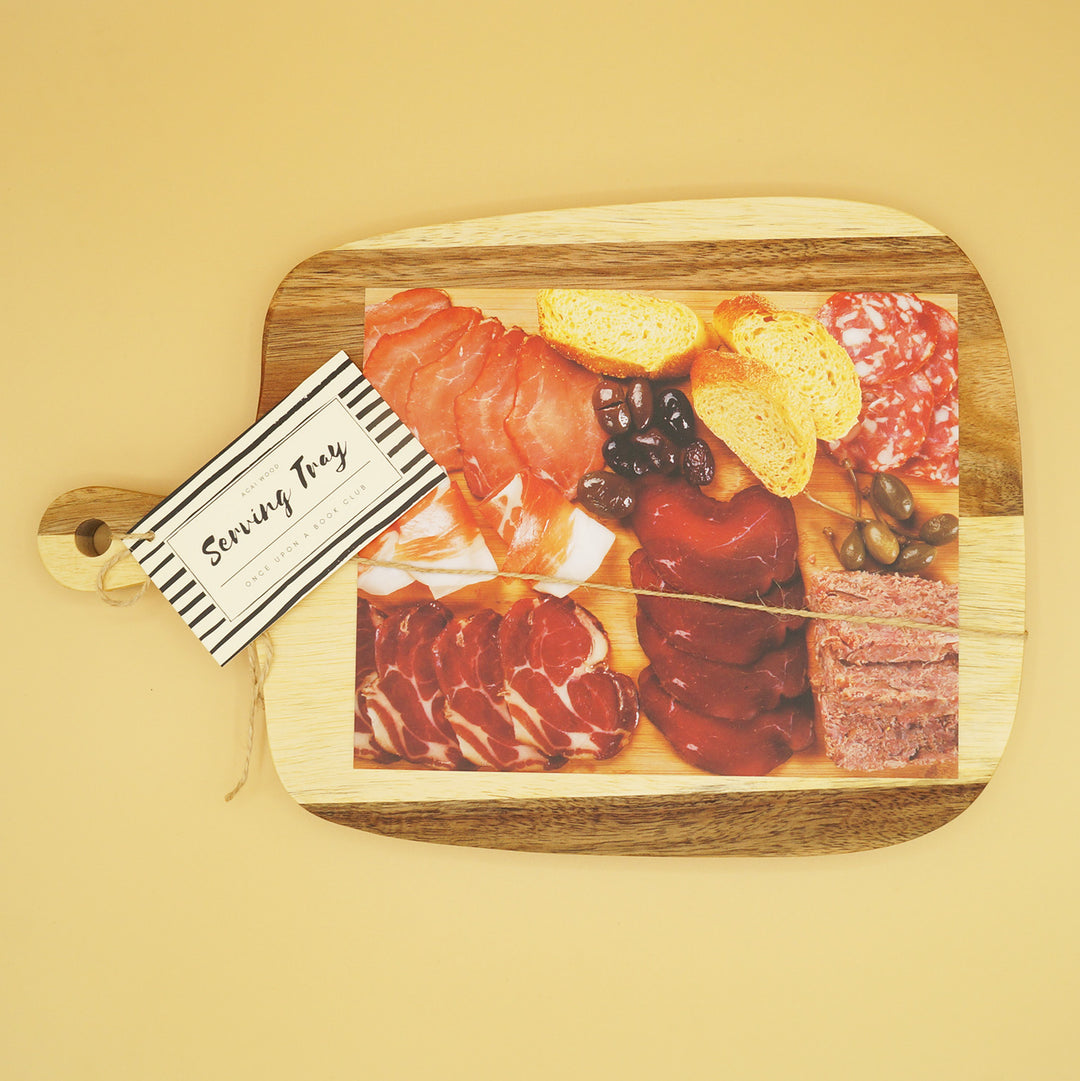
(223, 628)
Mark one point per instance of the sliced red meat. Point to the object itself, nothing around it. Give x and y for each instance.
(891, 427)
(731, 691)
(887, 335)
(396, 357)
(405, 704)
(941, 368)
(553, 424)
(490, 457)
(563, 698)
(368, 619)
(724, 748)
(402, 311)
(468, 665)
(701, 545)
(713, 631)
(429, 408)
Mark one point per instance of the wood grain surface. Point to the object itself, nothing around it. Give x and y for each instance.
(802, 249)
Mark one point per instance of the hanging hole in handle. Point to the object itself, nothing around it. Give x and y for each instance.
(93, 537)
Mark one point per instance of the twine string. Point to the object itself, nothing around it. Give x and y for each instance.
(120, 598)
(609, 587)
(260, 671)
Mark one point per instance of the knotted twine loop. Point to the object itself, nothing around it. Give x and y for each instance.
(259, 671)
(116, 598)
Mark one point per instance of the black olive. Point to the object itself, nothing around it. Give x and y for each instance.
(639, 399)
(674, 416)
(614, 418)
(608, 392)
(606, 494)
(852, 552)
(625, 457)
(892, 495)
(915, 556)
(661, 452)
(697, 463)
(941, 529)
(881, 542)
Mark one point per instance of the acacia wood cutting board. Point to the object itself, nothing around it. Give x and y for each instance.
(645, 801)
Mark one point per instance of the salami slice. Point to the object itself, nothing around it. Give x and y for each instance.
(938, 458)
(941, 368)
(943, 472)
(892, 426)
(887, 335)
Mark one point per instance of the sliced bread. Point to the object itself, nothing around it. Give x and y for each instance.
(756, 411)
(625, 335)
(801, 350)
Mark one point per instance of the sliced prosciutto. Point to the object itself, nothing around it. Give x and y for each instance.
(440, 530)
(368, 620)
(546, 534)
(731, 691)
(715, 631)
(429, 408)
(489, 456)
(402, 311)
(405, 705)
(396, 357)
(562, 696)
(720, 747)
(701, 545)
(553, 424)
(468, 666)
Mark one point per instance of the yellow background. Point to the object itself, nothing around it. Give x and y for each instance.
(163, 167)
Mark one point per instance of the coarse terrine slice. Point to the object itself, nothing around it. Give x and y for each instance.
(886, 696)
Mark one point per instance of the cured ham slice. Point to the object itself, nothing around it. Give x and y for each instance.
(468, 666)
(440, 529)
(429, 408)
(402, 311)
(713, 631)
(701, 545)
(396, 357)
(489, 456)
(545, 533)
(562, 696)
(729, 749)
(553, 424)
(405, 704)
(730, 691)
(368, 620)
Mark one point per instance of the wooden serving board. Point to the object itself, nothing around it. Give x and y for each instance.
(646, 800)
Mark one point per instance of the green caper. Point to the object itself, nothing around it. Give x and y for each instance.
(941, 529)
(915, 556)
(892, 495)
(881, 542)
(852, 552)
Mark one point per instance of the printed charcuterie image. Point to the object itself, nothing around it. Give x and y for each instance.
(680, 532)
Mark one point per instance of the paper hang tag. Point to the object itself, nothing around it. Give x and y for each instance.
(281, 507)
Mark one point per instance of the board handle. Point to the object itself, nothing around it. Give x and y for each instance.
(79, 532)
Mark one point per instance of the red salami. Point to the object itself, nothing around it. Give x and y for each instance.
(892, 426)
(941, 367)
(939, 456)
(887, 335)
